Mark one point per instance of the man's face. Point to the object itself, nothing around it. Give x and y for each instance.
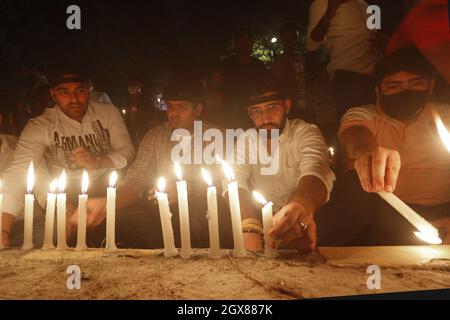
(270, 114)
(182, 114)
(402, 81)
(404, 95)
(72, 98)
(244, 44)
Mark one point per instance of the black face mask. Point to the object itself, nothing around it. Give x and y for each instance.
(405, 105)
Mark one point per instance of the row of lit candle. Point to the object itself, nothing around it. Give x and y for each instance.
(56, 201)
(212, 216)
(426, 231)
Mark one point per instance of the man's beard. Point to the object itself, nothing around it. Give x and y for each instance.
(272, 125)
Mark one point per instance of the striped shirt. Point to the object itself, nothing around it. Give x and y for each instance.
(154, 160)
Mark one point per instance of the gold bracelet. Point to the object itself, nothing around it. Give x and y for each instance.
(251, 230)
(255, 228)
(251, 221)
(252, 225)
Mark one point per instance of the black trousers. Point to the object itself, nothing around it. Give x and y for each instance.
(354, 217)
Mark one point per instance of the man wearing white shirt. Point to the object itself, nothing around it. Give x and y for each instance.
(74, 135)
(7, 146)
(341, 26)
(300, 186)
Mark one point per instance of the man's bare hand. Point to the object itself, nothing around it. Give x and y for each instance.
(443, 224)
(96, 213)
(378, 169)
(289, 227)
(84, 159)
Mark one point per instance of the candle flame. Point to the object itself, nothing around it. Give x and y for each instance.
(226, 169)
(161, 184)
(331, 151)
(62, 182)
(207, 177)
(112, 179)
(84, 182)
(178, 171)
(53, 185)
(258, 196)
(443, 132)
(428, 237)
(30, 178)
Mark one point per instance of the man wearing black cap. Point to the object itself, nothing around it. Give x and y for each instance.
(75, 135)
(137, 222)
(301, 181)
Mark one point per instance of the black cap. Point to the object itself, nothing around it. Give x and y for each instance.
(408, 59)
(263, 89)
(66, 74)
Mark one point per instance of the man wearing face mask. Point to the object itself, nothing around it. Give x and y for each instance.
(394, 147)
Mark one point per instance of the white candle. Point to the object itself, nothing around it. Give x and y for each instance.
(1, 217)
(183, 209)
(28, 212)
(267, 215)
(61, 213)
(50, 216)
(111, 213)
(212, 216)
(82, 213)
(428, 232)
(166, 220)
(235, 209)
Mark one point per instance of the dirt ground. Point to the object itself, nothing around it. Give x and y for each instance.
(146, 274)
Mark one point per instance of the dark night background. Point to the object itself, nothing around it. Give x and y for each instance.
(119, 39)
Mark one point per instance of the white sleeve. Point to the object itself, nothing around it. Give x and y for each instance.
(316, 12)
(105, 98)
(314, 159)
(358, 117)
(122, 152)
(30, 147)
